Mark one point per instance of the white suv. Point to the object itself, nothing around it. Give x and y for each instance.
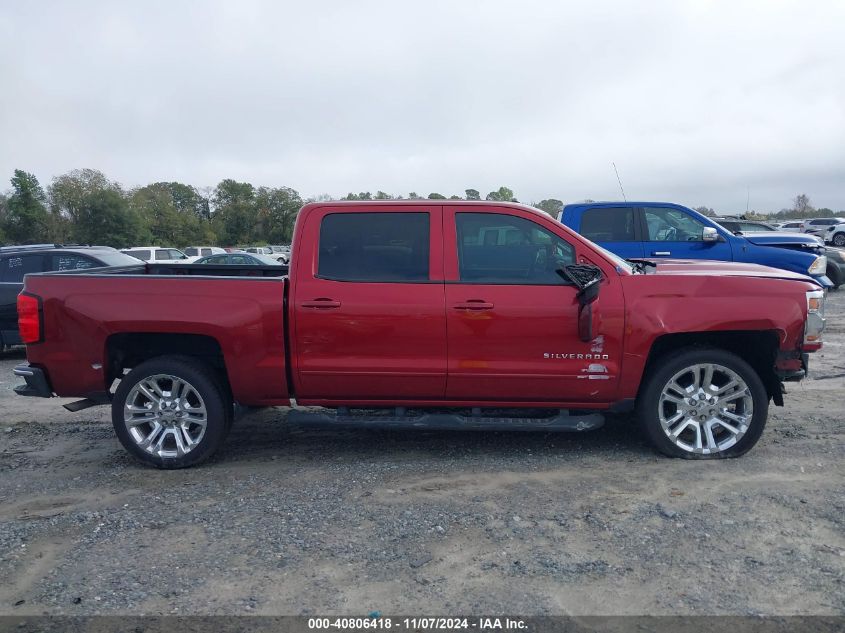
(835, 235)
(819, 226)
(157, 254)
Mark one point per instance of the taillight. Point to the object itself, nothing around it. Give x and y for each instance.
(29, 318)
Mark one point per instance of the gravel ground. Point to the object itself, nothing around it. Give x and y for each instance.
(292, 520)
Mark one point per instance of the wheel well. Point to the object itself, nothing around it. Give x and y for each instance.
(126, 351)
(757, 348)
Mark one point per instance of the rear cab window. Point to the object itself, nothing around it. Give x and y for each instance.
(608, 224)
(374, 247)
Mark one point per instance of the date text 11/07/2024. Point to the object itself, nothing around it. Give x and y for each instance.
(377, 621)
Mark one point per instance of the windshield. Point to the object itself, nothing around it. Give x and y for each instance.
(117, 259)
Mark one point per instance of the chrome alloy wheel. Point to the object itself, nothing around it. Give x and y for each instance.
(705, 408)
(165, 415)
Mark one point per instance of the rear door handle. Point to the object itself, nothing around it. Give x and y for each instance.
(661, 253)
(321, 303)
(473, 304)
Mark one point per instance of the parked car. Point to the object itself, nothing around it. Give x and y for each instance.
(156, 254)
(738, 225)
(835, 269)
(819, 226)
(790, 225)
(238, 259)
(17, 261)
(835, 235)
(419, 305)
(260, 250)
(281, 253)
(202, 251)
(656, 230)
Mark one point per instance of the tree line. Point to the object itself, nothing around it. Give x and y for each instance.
(84, 207)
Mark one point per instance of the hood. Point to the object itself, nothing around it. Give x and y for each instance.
(705, 267)
(783, 238)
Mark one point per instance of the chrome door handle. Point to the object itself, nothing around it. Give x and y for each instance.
(661, 253)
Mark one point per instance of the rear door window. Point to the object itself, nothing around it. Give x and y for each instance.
(71, 261)
(608, 224)
(205, 251)
(15, 267)
(377, 247)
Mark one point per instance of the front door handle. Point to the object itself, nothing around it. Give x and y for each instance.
(661, 253)
(321, 303)
(473, 304)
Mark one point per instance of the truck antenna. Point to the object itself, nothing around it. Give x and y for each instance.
(619, 180)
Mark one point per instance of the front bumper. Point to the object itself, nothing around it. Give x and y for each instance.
(792, 366)
(36, 385)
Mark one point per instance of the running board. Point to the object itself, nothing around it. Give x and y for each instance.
(87, 403)
(449, 421)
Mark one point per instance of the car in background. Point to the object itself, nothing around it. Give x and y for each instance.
(835, 235)
(156, 254)
(790, 225)
(819, 226)
(202, 251)
(238, 259)
(835, 257)
(281, 253)
(17, 261)
(739, 226)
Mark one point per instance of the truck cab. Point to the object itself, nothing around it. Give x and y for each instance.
(658, 230)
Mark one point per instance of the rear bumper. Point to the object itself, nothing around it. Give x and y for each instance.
(36, 382)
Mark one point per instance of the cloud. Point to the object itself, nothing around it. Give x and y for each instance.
(696, 102)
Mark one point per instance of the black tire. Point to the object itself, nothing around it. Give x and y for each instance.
(215, 397)
(839, 239)
(664, 369)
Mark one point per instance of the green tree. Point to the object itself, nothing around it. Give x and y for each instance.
(104, 217)
(414, 196)
(172, 220)
(381, 195)
(235, 212)
(26, 218)
(277, 211)
(551, 206)
(503, 194)
(706, 211)
(436, 196)
(472, 194)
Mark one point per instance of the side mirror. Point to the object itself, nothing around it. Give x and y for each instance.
(587, 278)
(709, 234)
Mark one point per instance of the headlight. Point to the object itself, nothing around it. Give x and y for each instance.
(814, 326)
(818, 267)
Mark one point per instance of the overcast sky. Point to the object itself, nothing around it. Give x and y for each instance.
(696, 102)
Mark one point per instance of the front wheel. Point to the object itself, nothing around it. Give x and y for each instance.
(839, 239)
(703, 404)
(171, 412)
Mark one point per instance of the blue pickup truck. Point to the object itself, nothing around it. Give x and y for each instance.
(655, 230)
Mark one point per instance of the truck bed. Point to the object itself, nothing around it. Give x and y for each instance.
(228, 310)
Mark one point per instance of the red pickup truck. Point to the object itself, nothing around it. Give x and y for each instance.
(468, 314)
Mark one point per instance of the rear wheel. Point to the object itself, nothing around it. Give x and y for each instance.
(171, 412)
(839, 239)
(703, 404)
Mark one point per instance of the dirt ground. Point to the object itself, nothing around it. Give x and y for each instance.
(292, 520)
